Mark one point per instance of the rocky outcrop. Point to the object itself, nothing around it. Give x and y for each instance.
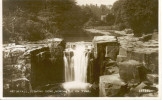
(105, 47)
(129, 72)
(19, 63)
(136, 65)
(153, 78)
(144, 52)
(47, 63)
(111, 86)
(17, 67)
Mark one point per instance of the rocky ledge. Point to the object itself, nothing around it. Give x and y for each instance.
(17, 64)
(135, 70)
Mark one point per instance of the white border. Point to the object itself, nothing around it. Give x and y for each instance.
(88, 98)
(1, 65)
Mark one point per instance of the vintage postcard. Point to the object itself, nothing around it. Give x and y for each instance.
(98, 49)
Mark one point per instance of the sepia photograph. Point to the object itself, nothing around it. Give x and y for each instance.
(80, 48)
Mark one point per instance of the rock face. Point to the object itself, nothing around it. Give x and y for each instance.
(19, 63)
(16, 67)
(108, 43)
(144, 52)
(47, 63)
(153, 78)
(104, 47)
(128, 71)
(137, 65)
(111, 85)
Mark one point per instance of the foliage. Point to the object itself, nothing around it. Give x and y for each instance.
(110, 19)
(96, 11)
(33, 20)
(140, 15)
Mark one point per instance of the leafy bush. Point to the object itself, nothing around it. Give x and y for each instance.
(140, 15)
(34, 20)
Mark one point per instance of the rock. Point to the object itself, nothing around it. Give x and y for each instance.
(128, 71)
(151, 61)
(110, 85)
(128, 31)
(146, 37)
(21, 84)
(104, 47)
(154, 94)
(135, 92)
(153, 78)
(111, 70)
(155, 36)
(123, 51)
(136, 55)
(147, 56)
(104, 41)
(143, 90)
(111, 51)
(121, 58)
(110, 67)
(143, 71)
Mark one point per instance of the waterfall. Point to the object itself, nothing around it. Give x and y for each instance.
(76, 64)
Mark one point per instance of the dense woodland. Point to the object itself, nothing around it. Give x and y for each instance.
(32, 20)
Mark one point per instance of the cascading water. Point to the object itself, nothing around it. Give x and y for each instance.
(76, 64)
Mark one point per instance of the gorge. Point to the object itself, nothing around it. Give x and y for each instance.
(106, 66)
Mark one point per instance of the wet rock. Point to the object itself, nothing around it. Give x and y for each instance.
(152, 78)
(110, 85)
(128, 71)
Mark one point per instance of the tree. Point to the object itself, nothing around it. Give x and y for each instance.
(110, 19)
(39, 19)
(140, 15)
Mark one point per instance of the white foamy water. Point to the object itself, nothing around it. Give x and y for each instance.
(76, 63)
(74, 85)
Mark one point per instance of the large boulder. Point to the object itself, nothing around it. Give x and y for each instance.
(104, 47)
(129, 72)
(121, 58)
(111, 85)
(110, 67)
(109, 45)
(123, 51)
